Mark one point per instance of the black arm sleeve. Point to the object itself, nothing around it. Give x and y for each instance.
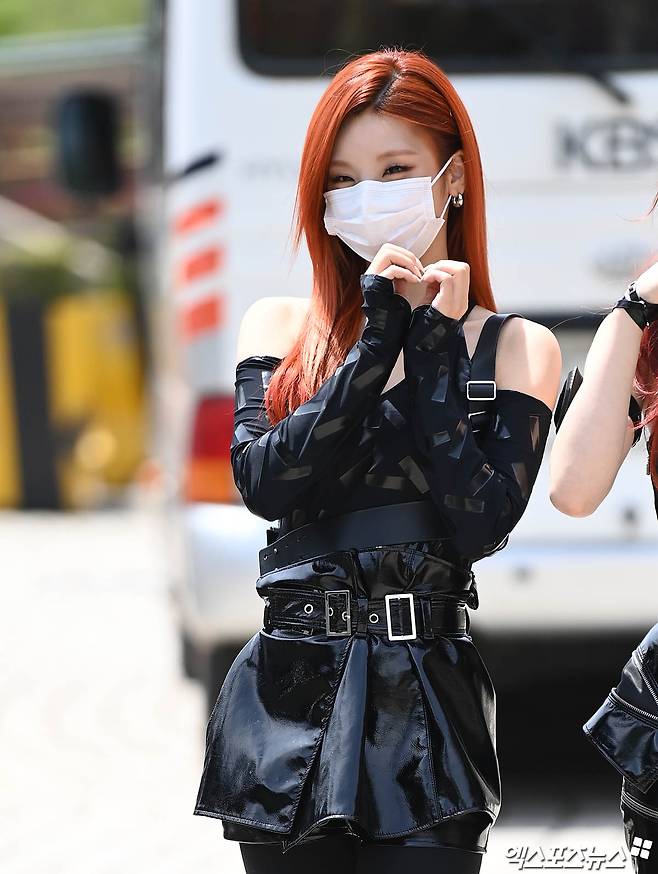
(273, 467)
(481, 487)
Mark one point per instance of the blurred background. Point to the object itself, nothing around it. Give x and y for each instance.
(148, 158)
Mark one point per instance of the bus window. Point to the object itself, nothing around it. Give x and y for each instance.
(289, 38)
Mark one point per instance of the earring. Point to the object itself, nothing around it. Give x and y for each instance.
(458, 199)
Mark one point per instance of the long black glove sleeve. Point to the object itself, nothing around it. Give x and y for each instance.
(275, 466)
(480, 486)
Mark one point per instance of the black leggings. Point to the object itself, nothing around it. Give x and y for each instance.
(345, 853)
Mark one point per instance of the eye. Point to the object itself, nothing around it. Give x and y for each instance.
(396, 168)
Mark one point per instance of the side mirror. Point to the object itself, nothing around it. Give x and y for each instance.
(87, 143)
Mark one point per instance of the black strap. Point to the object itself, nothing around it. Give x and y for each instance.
(483, 368)
(434, 613)
(359, 529)
(471, 306)
(482, 404)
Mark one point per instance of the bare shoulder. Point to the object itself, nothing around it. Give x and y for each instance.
(270, 326)
(529, 360)
(519, 333)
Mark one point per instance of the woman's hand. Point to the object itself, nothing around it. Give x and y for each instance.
(395, 262)
(646, 284)
(451, 279)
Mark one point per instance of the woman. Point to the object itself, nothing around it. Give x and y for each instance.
(592, 442)
(357, 728)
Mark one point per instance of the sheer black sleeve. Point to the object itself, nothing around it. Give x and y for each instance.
(480, 486)
(274, 467)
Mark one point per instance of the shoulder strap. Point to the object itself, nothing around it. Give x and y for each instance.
(481, 387)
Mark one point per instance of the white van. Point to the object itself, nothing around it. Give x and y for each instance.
(564, 100)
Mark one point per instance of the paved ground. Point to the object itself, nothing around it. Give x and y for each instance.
(101, 737)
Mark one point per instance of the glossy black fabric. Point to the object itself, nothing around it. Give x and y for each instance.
(388, 739)
(625, 726)
(625, 731)
(640, 820)
(391, 736)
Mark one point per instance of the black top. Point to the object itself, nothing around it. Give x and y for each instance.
(391, 736)
(350, 446)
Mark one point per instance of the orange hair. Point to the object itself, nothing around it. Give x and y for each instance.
(407, 85)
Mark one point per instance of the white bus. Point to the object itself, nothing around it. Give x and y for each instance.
(564, 99)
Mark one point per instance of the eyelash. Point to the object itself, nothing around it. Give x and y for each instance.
(401, 169)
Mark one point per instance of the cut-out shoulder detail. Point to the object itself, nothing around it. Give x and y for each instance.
(481, 485)
(412, 440)
(529, 359)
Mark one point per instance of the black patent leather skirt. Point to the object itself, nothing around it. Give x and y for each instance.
(391, 740)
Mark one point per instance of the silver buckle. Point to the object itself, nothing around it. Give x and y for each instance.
(412, 610)
(347, 613)
(480, 382)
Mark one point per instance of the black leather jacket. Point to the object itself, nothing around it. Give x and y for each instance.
(625, 731)
(625, 726)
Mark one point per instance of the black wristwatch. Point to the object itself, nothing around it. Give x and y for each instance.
(642, 312)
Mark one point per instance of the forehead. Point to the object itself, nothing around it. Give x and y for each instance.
(371, 134)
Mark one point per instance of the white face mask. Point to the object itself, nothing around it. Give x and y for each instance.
(371, 213)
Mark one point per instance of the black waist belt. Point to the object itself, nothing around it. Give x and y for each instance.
(360, 529)
(401, 615)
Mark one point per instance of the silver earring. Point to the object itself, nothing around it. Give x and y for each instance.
(458, 199)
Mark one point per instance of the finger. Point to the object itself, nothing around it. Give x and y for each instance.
(405, 260)
(404, 251)
(397, 272)
(452, 266)
(439, 275)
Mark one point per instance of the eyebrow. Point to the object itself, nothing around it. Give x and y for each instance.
(388, 154)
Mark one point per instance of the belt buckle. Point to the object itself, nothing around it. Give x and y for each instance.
(471, 382)
(410, 597)
(347, 613)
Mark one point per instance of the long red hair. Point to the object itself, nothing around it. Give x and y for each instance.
(407, 85)
(646, 379)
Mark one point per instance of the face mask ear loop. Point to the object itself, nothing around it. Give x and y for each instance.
(443, 212)
(442, 169)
